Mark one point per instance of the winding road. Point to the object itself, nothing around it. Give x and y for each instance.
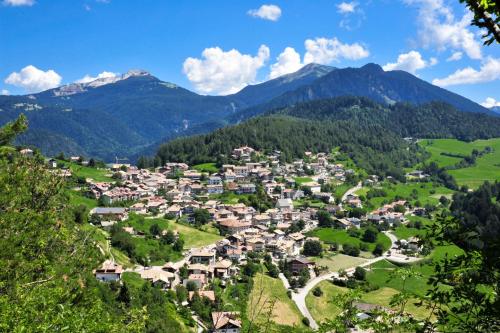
(352, 190)
(299, 297)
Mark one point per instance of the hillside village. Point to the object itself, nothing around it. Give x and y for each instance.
(278, 228)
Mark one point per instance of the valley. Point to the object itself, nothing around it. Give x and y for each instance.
(250, 167)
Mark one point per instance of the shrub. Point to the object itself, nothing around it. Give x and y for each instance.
(317, 292)
(305, 321)
(350, 250)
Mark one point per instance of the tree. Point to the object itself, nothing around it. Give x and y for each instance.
(155, 229)
(312, 248)
(191, 286)
(181, 293)
(370, 235)
(473, 276)
(12, 129)
(360, 273)
(169, 237)
(444, 201)
(47, 258)
(486, 16)
(378, 250)
(201, 216)
(324, 219)
(178, 245)
(317, 292)
(350, 250)
(81, 213)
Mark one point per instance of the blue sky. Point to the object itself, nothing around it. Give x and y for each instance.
(217, 47)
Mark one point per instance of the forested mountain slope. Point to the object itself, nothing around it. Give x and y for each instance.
(371, 133)
(369, 81)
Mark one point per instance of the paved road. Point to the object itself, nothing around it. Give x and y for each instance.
(300, 297)
(352, 190)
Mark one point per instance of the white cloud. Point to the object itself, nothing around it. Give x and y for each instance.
(455, 56)
(266, 12)
(224, 72)
(325, 51)
(439, 28)
(489, 71)
(490, 102)
(4, 92)
(346, 7)
(410, 62)
(287, 62)
(33, 79)
(16, 3)
(87, 78)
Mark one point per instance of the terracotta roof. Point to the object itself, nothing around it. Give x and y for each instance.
(221, 319)
(203, 293)
(110, 267)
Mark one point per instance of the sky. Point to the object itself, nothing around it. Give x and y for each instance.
(218, 47)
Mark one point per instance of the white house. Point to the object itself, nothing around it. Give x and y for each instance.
(109, 271)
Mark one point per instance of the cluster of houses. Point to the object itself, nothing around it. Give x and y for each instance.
(388, 214)
(221, 261)
(178, 191)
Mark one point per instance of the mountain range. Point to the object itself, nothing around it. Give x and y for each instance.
(133, 113)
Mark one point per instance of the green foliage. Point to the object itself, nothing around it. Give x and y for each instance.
(12, 129)
(486, 16)
(383, 155)
(47, 259)
(378, 250)
(350, 250)
(201, 216)
(313, 248)
(360, 273)
(370, 234)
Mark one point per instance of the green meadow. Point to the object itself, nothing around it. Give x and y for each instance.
(487, 167)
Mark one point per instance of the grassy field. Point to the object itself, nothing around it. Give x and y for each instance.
(133, 279)
(228, 197)
(323, 307)
(487, 166)
(314, 203)
(192, 236)
(206, 167)
(301, 180)
(75, 198)
(338, 261)
(403, 232)
(100, 175)
(380, 274)
(266, 289)
(413, 192)
(330, 235)
(101, 238)
(340, 190)
(383, 296)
